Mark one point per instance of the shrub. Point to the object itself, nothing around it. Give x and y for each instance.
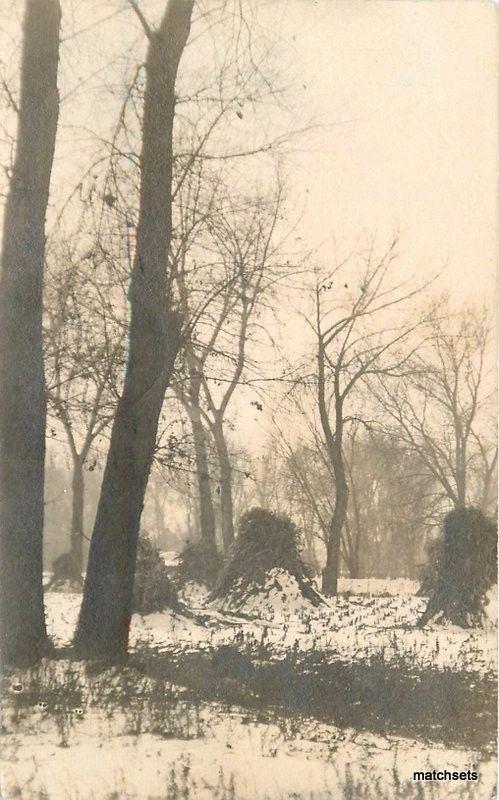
(265, 541)
(467, 568)
(153, 590)
(199, 563)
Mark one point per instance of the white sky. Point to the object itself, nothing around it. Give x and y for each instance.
(409, 90)
(405, 93)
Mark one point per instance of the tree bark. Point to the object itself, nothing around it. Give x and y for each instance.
(334, 444)
(22, 386)
(351, 550)
(155, 337)
(358, 533)
(205, 499)
(78, 497)
(331, 570)
(226, 501)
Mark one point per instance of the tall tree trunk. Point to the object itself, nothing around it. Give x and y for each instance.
(350, 549)
(334, 444)
(341, 493)
(410, 555)
(22, 386)
(358, 569)
(331, 570)
(226, 502)
(461, 463)
(354, 570)
(159, 522)
(205, 499)
(155, 337)
(78, 495)
(488, 495)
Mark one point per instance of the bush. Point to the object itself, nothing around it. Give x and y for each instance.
(199, 563)
(266, 541)
(153, 590)
(467, 568)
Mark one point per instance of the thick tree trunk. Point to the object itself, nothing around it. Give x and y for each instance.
(155, 336)
(226, 502)
(22, 387)
(78, 496)
(205, 499)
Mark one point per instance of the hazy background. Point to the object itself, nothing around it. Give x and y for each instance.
(399, 102)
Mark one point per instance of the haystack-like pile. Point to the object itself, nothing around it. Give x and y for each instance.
(199, 564)
(428, 574)
(466, 570)
(265, 573)
(66, 575)
(153, 589)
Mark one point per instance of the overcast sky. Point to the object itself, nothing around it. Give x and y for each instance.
(409, 92)
(405, 93)
(404, 97)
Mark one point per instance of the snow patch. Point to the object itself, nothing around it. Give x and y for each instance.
(170, 558)
(278, 598)
(349, 629)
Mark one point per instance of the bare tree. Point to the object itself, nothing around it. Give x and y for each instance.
(154, 341)
(207, 140)
(350, 347)
(392, 502)
(196, 201)
(159, 499)
(437, 410)
(190, 396)
(243, 236)
(23, 402)
(224, 242)
(85, 333)
(306, 486)
(393, 505)
(487, 472)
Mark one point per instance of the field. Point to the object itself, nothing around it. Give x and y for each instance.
(278, 700)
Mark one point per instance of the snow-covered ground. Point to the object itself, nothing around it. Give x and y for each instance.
(378, 585)
(203, 751)
(349, 628)
(252, 758)
(73, 735)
